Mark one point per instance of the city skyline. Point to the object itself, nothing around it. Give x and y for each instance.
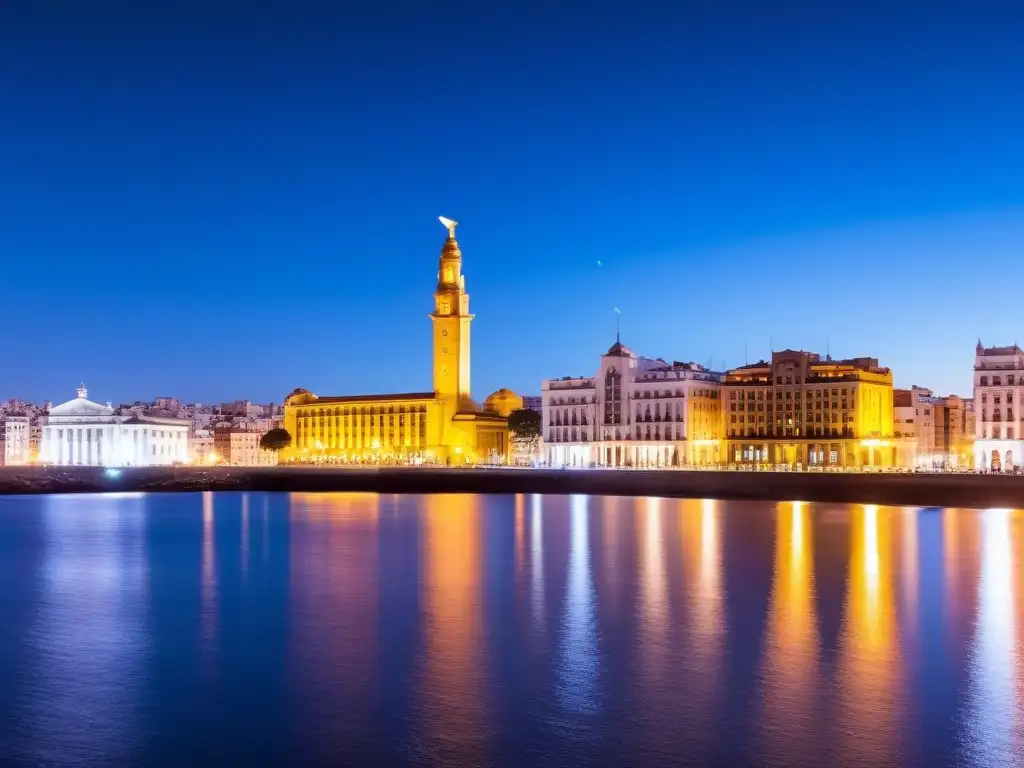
(196, 206)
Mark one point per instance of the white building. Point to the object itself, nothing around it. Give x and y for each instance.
(635, 411)
(83, 433)
(998, 387)
(17, 441)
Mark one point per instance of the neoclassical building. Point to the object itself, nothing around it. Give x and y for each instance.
(443, 425)
(634, 412)
(83, 433)
(998, 388)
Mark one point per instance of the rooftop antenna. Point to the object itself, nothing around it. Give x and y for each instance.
(618, 314)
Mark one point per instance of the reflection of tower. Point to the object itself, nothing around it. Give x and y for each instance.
(451, 682)
(451, 325)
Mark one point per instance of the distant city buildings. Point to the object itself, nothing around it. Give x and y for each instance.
(998, 387)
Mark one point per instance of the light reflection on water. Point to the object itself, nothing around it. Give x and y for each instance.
(464, 630)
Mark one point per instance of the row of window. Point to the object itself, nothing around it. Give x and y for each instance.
(997, 381)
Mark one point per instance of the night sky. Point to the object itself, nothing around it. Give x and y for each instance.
(229, 200)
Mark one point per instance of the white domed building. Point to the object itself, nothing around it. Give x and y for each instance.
(86, 434)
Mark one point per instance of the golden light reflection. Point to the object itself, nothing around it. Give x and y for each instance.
(452, 728)
(520, 504)
(335, 506)
(791, 664)
(870, 675)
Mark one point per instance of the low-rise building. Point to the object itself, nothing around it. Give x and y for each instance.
(930, 431)
(634, 412)
(240, 447)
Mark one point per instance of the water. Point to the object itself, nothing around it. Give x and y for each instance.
(253, 629)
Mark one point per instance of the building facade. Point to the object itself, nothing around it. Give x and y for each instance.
(998, 387)
(931, 431)
(800, 410)
(240, 447)
(442, 426)
(17, 434)
(634, 412)
(83, 433)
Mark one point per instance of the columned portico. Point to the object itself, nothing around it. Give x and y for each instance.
(83, 433)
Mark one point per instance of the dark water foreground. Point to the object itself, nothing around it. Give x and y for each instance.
(271, 629)
(963, 490)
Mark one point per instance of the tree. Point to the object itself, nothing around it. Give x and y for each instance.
(276, 440)
(525, 428)
(524, 424)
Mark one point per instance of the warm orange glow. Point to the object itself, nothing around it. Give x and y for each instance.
(871, 679)
(451, 687)
(790, 665)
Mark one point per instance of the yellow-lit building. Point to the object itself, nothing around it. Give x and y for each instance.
(441, 426)
(800, 409)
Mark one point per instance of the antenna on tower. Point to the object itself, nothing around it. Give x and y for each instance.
(618, 314)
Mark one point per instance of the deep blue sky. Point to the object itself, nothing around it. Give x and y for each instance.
(225, 200)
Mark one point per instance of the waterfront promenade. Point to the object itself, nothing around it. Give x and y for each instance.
(952, 490)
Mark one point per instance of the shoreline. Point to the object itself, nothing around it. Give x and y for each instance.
(919, 490)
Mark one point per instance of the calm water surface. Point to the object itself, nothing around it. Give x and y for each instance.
(250, 629)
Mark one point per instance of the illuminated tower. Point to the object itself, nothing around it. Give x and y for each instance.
(451, 324)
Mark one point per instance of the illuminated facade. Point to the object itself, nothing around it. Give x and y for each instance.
(83, 433)
(634, 412)
(441, 426)
(930, 431)
(998, 388)
(802, 410)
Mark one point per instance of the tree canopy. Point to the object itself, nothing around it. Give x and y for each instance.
(524, 424)
(276, 440)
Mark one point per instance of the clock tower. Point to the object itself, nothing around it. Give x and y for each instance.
(451, 325)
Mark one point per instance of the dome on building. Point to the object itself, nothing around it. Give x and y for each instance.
(618, 349)
(503, 402)
(299, 396)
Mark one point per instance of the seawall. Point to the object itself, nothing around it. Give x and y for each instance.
(926, 490)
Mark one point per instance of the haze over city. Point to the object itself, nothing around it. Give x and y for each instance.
(215, 204)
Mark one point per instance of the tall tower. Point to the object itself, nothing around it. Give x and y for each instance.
(451, 324)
